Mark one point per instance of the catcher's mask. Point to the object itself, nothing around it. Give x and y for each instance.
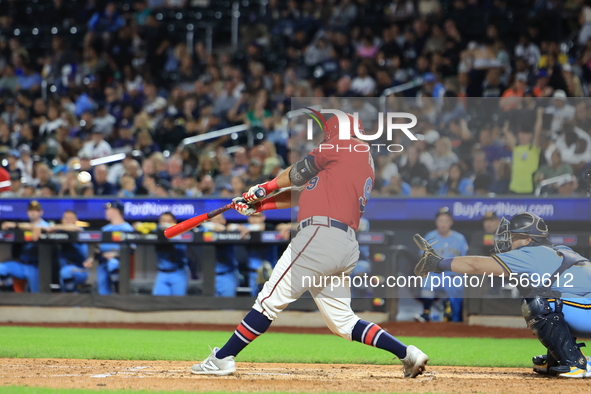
(523, 223)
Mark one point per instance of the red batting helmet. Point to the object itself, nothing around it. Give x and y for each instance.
(332, 127)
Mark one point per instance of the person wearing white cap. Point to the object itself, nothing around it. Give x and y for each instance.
(561, 110)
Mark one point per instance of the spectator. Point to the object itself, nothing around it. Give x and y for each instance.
(456, 184)
(52, 123)
(29, 79)
(254, 175)
(575, 147)
(413, 167)
(561, 112)
(43, 177)
(101, 186)
(568, 186)
(107, 21)
(528, 50)
(224, 177)
(9, 80)
(363, 84)
(526, 156)
(145, 143)
(443, 158)
(482, 177)
(127, 186)
(97, 147)
(511, 97)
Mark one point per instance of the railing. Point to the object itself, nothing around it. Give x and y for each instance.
(214, 134)
(206, 240)
(398, 89)
(553, 181)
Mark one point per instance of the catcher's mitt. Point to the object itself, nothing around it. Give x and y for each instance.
(427, 263)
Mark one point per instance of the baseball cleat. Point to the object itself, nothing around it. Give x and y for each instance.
(577, 373)
(540, 364)
(215, 366)
(422, 318)
(414, 363)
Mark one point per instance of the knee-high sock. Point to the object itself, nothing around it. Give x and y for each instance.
(373, 335)
(253, 325)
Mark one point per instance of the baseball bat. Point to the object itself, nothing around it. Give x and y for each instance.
(193, 222)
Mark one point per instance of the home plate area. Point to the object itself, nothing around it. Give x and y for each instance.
(261, 377)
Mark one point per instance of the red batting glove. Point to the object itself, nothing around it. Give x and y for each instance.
(244, 208)
(258, 192)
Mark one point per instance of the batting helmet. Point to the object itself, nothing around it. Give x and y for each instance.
(523, 223)
(332, 127)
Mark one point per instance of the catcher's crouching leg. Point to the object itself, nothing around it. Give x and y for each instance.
(553, 332)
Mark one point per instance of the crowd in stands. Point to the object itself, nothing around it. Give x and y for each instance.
(498, 90)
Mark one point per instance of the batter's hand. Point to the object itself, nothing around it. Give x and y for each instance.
(255, 193)
(243, 208)
(429, 261)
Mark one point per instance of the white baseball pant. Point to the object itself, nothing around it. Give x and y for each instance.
(316, 252)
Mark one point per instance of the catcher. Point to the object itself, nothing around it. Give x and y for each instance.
(557, 310)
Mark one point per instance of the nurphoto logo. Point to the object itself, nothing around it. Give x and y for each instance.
(344, 128)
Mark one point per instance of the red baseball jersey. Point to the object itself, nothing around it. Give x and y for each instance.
(343, 184)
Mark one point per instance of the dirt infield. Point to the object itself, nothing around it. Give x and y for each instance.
(175, 375)
(447, 330)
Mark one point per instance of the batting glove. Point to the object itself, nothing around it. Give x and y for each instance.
(244, 208)
(260, 191)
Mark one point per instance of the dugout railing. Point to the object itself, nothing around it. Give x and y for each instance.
(132, 243)
(389, 256)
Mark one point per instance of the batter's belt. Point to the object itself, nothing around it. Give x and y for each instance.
(325, 222)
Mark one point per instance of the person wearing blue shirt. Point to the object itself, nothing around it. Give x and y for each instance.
(107, 271)
(173, 265)
(226, 265)
(71, 255)
(29, 80)
(448, 243)
(27, 265)
(258, 255)
(108, 20)
(554, 281)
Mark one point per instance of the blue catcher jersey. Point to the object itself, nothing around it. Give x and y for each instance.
(114, 227)
(537, 261)
(452, 246)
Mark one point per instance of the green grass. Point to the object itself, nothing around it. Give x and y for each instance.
(117, 344)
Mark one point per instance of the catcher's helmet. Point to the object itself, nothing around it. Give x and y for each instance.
(332, 127)
(523, 223)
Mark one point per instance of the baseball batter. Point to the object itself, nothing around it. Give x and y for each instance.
(335, 186)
